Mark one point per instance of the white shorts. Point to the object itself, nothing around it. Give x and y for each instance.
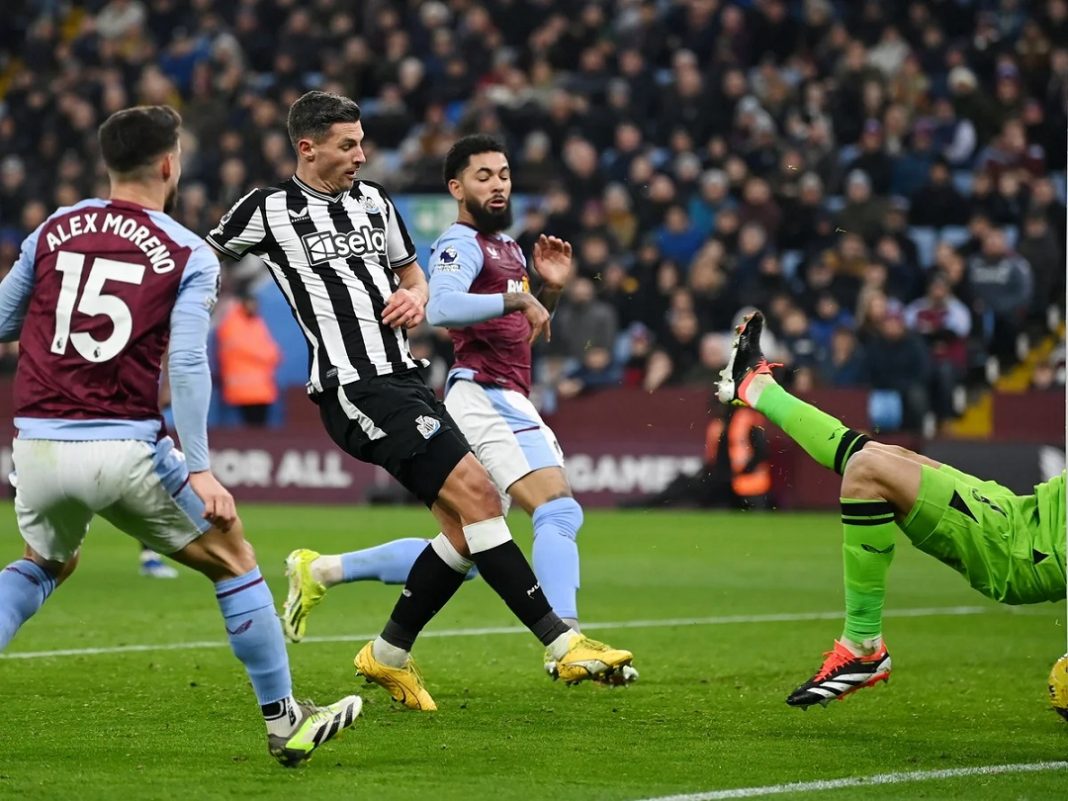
(505, 431)
(141, 488)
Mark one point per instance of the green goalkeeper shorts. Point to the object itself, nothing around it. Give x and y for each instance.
(990, 535)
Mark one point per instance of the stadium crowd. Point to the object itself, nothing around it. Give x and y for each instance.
(886, 180)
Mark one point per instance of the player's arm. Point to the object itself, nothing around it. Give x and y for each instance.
(190, 381)
(552, 263)
(406, 307)
(454, 267)
(15, 291)
(242, 229)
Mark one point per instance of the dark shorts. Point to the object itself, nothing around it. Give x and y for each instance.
(397, 423)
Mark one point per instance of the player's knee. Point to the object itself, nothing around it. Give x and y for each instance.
(892, 450)
(242, 558)
(60, 571)
(562, 514)
(478, 497)
(485, 498)
(861, 476)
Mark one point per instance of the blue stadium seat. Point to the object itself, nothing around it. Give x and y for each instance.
(848, 154)
(790, 260)
(962, 180)
(926, 240)
(885, 409)
(1059, 187)
(955, 235)
(835, 203)
(1012, 235)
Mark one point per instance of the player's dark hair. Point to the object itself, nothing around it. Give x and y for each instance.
(135, 137)
(312, 114)
(459, 155)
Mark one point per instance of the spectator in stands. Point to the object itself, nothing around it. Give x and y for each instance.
(1011, 152)
(584, 325)
(1001, 285)
(863, 212)
(944, 322)
(844, 363)
(676, 351)
(677, 238)
(873, 160)
(913, 163)
(1039, 248)
(938, 202)
(955, 136)
(248, 357)
(972, 102)
(798, 340)
(898, 361)
(802, 213)
(1044, 201)
(828, 316)
(1044, 378)
(765, 100)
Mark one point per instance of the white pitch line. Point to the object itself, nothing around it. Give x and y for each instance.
(789, 617)
(865, 781)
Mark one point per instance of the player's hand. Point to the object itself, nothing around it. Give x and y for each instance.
(404, 309)
(538, 317)
(219, 508)
(552, 260)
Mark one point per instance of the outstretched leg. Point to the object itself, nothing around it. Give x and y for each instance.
(880, 485)
(311, 574)
(747, 381)
(25, 585)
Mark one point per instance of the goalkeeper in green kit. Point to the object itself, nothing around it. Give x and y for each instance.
(1009, 547)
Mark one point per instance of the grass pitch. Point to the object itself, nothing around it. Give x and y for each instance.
(722, 612)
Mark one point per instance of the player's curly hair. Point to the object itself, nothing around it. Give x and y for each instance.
(459, 155)
(312, 114)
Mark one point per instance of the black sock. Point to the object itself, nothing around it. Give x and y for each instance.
(430, 585)
(507, 571)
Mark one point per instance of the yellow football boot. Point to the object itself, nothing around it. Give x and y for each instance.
(404, 684)
(305, 593)
(588, 659)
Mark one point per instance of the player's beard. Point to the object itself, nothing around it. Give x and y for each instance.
(490, 222)
(171, 201)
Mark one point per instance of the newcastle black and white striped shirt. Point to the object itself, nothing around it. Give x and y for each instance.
(333, 257)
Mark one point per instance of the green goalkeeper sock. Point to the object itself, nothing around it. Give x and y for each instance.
(868, 532)
(823, 437)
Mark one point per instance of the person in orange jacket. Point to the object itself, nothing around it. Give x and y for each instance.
(735, 474)
(248, 359)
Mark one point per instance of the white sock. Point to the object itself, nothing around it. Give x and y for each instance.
(866, 648)
(573, 623)
(756, 388)
(285, 722)
(389, 655)
(327, 570)
(558, 647)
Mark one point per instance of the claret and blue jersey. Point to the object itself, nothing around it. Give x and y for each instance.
(99, 292)
(469, 274)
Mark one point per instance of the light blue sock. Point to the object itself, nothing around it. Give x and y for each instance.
(256, 634)
(389, 563)
(24, 587)
(556, 558)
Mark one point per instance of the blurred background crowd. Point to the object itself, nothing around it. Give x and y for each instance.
(885, 179)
